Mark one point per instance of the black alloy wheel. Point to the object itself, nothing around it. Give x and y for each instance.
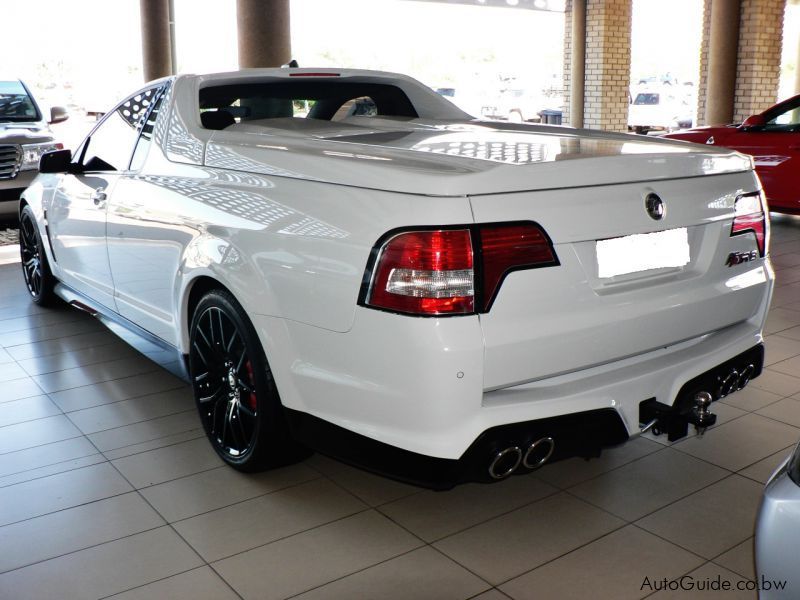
(234, 390)
(35, 268)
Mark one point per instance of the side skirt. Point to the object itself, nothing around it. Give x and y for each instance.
(160, 352)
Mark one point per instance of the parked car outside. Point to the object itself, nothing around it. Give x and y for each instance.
(773, 139)
(24, 137)
(661, 108)
(516, 105)
(411, 290)
(777, 530)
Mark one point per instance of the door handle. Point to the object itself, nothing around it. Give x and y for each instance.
(99, 197)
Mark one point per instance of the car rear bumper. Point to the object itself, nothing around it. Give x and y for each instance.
(498, 452)
(418, 384)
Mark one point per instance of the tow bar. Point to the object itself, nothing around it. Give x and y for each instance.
(692, 405)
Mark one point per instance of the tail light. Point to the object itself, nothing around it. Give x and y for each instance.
(512, 247)
(452, 271)
(426, 272)
(750, 216)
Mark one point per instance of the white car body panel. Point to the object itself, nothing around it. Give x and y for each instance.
(286, 218)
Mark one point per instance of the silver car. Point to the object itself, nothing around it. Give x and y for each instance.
(778, 533)
(24, 137)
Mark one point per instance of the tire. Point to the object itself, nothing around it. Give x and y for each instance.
(234, 390)
(35, 266)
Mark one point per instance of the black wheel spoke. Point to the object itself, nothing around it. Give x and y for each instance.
(221, 329)
(243, 408)
(212, 397)
(201, 356)
(240, 425)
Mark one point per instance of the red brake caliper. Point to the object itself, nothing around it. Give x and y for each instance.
(251, 400)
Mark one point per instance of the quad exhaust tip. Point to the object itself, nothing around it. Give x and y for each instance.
(735, 381)
(506, 461)
(538, 453)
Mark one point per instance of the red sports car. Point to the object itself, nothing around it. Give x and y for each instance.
(773, 139)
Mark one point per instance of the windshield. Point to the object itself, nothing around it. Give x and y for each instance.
(15, 103)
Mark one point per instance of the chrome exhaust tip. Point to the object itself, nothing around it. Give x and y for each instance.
(746, 375)
(729, 384)
(538, 453)
(505, 462)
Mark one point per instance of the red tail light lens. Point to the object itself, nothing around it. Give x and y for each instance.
(750, 216)
(426, 273)
(507, 248)
(433, 272)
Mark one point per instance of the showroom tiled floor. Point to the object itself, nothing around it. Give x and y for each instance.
(108, 488)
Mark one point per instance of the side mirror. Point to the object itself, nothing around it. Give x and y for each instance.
(754, 122)
(58, 161)
(58, 114)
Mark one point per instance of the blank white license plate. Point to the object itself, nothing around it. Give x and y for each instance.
(643, 252)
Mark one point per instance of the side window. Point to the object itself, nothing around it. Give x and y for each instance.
(787, 120)
(110, 146)
(146, 137)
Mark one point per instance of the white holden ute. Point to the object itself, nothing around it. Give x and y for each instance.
(342, 260)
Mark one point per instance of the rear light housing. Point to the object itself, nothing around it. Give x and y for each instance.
(451, 271)
(750, 216)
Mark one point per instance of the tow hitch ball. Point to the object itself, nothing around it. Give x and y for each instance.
(700, 416)
(675, 420)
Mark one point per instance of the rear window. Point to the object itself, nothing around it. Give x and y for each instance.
(15, 103)
(646, 99)
(221, 106)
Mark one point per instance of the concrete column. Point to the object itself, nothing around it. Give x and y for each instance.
(758, 69)
(607, 64)
(577, 63)
(723, 44)
(264, 33)
(702, 80)
(156, 41)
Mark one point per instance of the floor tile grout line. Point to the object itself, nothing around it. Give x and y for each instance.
(404, 528)
(53, 512)
(111, 339)
(115, 594)
(700, 489)
(232, 504)
(72, 437)
(164, 416)
(195, 434)
(76, 318)
(130, 354)
(146, 501)
(137, 397)
(76, 550)
(198, 431)
(361, 570)
(155, 369)
(93, 365)
(526, 504)
(563, 554)
(286, 537)
(676, 544)
(88, 456)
